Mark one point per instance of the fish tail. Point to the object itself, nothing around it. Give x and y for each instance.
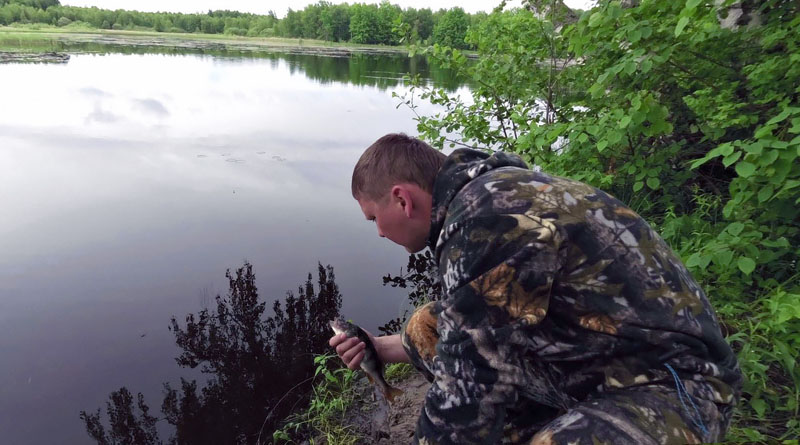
(390, 393)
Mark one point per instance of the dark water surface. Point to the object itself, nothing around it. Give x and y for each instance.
(129, 183)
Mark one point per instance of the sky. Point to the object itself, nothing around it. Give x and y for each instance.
(280, 6)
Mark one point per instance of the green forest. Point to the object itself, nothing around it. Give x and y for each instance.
(384, 24)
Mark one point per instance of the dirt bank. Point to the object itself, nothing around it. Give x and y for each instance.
(381, 423)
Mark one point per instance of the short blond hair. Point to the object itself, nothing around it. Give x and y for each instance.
(393, 159)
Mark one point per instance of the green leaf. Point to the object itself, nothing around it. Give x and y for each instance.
(723, 257)
(765, 193)
(630, 67)
(764, 131)
(790, 184)
(681, 25)
(697, 260)
(755, 148)
(699, 162)
(692, 4)
(780, 242)
(746, 265)
(727, 161)
(601, 145)
(728, 209)
(596, 90)
(595, 19)
(783, 115)
(635, 35)
(735, 228)
(725, 149)
(779, 144)
(647, 65)
(759, 406)
(638, 186)
(653, 183)
(636, 103)
(624, 122)
(745, 169)
(768, 158)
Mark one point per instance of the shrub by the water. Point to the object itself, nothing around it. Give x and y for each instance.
(422, 279)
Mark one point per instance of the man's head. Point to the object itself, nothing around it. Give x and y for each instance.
(393, 182)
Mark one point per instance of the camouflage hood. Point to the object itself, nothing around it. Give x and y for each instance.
(461, 168)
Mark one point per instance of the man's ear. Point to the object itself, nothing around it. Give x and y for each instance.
(402, 196)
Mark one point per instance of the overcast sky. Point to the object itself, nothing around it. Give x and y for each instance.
(280, 6)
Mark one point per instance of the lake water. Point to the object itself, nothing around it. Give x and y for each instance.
(129, 183)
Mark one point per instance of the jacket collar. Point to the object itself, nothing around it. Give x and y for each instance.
(460, 168)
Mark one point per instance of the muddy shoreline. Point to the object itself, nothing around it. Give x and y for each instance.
(377, 422)
(229, 45)
(56, 47)
(21, 57)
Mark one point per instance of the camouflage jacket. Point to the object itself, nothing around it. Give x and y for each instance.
(554, 290)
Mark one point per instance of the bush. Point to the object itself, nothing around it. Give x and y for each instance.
(236, 31)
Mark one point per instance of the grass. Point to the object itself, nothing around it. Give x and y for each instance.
(397, 372)
(324, 419)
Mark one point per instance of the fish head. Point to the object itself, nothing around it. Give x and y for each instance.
(339, 325)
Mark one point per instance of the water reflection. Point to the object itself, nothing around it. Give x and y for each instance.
(259, 366)
(117, 214)
(377, 70)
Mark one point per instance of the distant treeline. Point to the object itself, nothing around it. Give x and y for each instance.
(385, 24)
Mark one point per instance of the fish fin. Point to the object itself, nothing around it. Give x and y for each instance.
(390, 393)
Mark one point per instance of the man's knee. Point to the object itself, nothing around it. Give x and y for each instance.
(633, 417)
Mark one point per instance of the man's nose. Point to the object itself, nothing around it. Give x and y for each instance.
(380, 233)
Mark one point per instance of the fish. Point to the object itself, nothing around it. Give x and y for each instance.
(371, 363)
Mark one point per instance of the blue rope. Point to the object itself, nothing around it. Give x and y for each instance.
(698, 420)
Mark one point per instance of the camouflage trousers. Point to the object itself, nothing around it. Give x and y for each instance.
(641, 415)
(651, 414)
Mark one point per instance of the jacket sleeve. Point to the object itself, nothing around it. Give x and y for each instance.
(497, 274)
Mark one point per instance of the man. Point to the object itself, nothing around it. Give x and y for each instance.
(565, 319)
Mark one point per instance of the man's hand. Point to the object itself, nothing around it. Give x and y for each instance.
(350, 350)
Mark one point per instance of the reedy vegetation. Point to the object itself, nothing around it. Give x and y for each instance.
(695, 125)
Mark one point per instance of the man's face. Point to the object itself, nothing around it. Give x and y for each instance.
(394, 223)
